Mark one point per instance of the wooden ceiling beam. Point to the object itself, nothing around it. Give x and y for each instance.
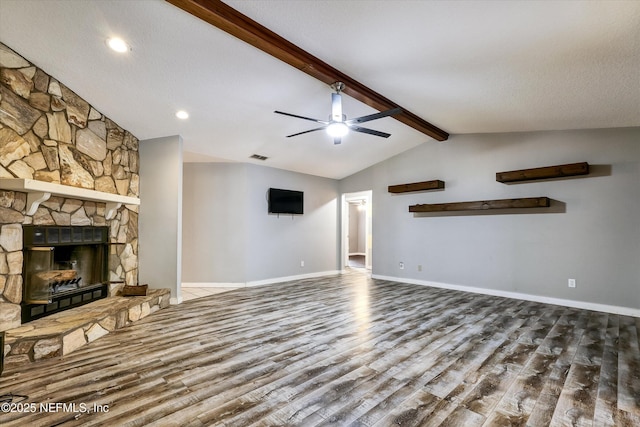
(226, 18)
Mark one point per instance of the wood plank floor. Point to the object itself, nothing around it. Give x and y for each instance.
(349, 351)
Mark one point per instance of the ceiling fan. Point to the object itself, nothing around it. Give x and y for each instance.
(338, 126)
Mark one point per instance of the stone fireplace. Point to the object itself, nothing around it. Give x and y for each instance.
(49, 136)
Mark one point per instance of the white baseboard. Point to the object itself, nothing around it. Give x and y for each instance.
(290, 278)
(259, 282)
(357, 254)
(175, 301)
(213, 284)
(626, 311)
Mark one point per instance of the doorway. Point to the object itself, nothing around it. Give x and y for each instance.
(357, 230)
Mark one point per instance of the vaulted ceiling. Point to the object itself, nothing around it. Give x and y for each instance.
(464, 66)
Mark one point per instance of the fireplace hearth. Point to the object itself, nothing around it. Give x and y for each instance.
(64, 267)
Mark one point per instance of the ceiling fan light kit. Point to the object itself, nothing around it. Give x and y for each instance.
(337, 130)
(338, 126)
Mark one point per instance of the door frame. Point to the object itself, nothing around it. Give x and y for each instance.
(367, 196)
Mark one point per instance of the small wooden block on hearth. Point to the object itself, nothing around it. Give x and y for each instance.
(134, 291)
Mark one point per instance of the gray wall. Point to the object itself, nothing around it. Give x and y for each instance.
(160, 229)
(593, 236)
(353, 228)
(229, 237)
(362, 229)
(357, 229)
(214, 227)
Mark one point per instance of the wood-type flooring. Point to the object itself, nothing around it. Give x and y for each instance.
(344, 350)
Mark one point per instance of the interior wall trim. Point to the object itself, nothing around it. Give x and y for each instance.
(213, 284)
(260, 282)
(291, 278)
(626, 311)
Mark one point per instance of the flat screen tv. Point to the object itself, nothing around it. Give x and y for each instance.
(285, 201)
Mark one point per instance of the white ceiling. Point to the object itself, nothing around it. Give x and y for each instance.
(465, 66)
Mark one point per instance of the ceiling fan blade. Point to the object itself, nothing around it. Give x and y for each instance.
(336, 107)
(337, 140)
(370, 131)
(375, 116)
(302, 117)
(307, 131)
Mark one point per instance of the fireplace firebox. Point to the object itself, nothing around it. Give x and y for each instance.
(64, 267)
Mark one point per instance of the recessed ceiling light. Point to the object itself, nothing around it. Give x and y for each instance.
(182, 114)
(117, 44)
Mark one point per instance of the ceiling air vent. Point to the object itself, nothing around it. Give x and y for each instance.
(258, 157)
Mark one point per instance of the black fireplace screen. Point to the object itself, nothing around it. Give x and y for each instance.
(63, 267)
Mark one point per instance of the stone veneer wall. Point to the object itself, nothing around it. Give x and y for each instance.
(49, 133)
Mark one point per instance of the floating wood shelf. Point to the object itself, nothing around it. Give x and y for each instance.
(547, 172)
(41, 191)
(436, 184)
(531, 202)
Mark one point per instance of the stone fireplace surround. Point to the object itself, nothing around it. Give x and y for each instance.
(49, 134)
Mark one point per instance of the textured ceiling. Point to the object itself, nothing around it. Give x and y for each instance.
(465, 66)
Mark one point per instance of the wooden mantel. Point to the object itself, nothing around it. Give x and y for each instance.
(41, 191)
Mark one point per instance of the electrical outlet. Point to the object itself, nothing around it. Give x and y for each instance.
(572, 283)
(401, 265)
(301, 263)
(419, 267)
